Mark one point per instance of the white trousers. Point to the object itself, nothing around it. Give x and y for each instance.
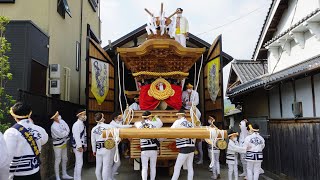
(60, 154)
(145, 157)
(233, 169)
(181, 38)
(216, 162)
(78, 164)
(181, 159)
(104, 165)
(115, 165)
(4, 172)
(244, 163)
(200, 150)
(253, 170)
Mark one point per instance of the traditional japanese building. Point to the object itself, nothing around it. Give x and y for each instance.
(284, 97)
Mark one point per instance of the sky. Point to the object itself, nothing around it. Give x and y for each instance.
(239, 21)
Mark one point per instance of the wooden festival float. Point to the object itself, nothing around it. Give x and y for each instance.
(160, 66)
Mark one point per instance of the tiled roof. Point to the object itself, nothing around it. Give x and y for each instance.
(310, 65)
(292, 27)
(247, 70)
(263, 26)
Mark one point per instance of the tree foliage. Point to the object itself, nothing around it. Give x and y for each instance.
(6, 101)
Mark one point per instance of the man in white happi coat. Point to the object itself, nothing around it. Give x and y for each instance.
(180, 28)
(60, 136)
(215, 150)
(135, 106)
(149, 147)
(117, 122)
(24, 141)
(232, 154)
(104, 158)
(243, 134)
(254, 144)
(79, 142)
(4, 159)
(190, 96)
(186, 148)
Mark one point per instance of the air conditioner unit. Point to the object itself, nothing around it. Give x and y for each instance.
(297, 109)
(54, 86)
(55, 71)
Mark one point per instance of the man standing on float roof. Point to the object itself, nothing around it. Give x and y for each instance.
(104, 158)
(60, 136)
(186, 147)
(79, 142)
(149, 147)
(24, 141)
(181, 25)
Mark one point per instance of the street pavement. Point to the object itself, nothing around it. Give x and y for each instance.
(126, 172)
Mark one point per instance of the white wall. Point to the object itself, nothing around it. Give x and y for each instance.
(304, 95)
(316, 81)
(297, 54)
(274, 103)
(287, 98)
(304, 7)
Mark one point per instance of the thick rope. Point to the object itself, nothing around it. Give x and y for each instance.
(123, 84)
(199, 72)
(116, 138)
(128, 114)
(119, 83)
(195, 74)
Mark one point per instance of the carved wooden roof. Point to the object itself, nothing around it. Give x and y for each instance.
(160, 55)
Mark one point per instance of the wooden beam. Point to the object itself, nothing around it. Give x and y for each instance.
(198, 133)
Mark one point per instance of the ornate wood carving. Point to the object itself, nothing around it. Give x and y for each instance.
(160, 55)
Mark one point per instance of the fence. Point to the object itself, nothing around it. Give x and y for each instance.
(42, 106)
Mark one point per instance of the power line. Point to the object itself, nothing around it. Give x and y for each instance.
(230, 22)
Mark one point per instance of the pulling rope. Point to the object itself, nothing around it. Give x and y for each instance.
(195, 74)
(199, 72)
(116, 137)
(123, 84)
(128, 114)
(119, 83)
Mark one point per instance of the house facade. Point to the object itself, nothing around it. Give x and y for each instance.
(288, 93)
(60, 29)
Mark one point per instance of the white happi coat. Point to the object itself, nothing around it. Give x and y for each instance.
(22, 158)
(135, 106)
(256, 144)
(79, 134)
(97, 142)
(147, 143)
(183, 142)
(193, 97)
(60, 133)
(232, 151)
(184, 26)
(4, 159)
